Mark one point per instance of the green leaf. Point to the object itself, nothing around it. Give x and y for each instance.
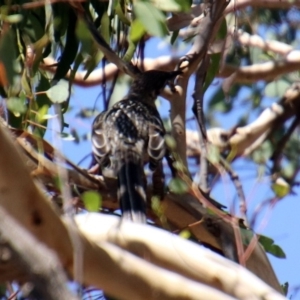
(121, 15)
(70, 49)
(120, 90)
(105, 27)
(82, 31)
(174, 37)
(281, 188)
(43, 85)
(43, 103)
(86, 113)
(263, 153)
(285, 288)
(49, 20)
(276, 88)
(213, 69)
(17, 106)
(276, 251)
(270, 247)
(213, 154)
(222, 33)
(179, 166)
(12, 19)
(93, 61)
(7, 58)
(75, 135)
(34, 27)
(89, 49)
(59, 92)
(39, 47)
(92, 200)
(265, 241)
(246, 236)
(218, 102)
(60, 19)
(178, 186)
(288, 170)
(171, 5)
(100, 7)
(156, 206)
(185, 234)
(166, 5)
(153, 19)
(58, 183)
(42, 114)
(67, 136)
(256, 55)
(170, 141)
(137, 30)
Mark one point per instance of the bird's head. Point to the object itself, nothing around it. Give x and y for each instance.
(152, 82)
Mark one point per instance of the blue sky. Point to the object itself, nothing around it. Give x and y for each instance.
(280, 223)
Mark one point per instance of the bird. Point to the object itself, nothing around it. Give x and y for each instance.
(130, 134)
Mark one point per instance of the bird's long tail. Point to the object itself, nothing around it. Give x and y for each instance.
(131, 187)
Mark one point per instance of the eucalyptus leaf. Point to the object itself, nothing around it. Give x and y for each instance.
(285, 288)
(69, 52)
(213, 69)
(7, 57)
(92, 200)
(185, 234)
(167, 5)
(153, 19)
(137, 30)
(281, 188)
(178, 186)
(170, 141)
(67, 136)
(13, 19)
(276, 88)
(16, 105)
(270, 247)
(172, 5)
(59, 93)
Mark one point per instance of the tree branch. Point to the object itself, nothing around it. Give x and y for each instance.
(264, 71)
(255, 40)
(240, 4)
(166, 63)
(41, 264)
(244, 140)
(178, 255)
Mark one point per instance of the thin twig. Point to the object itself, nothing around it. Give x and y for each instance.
(125, 67)
(198, 111)
(238, 186)
(283, 141)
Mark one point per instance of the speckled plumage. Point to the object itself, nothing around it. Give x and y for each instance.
(129, 134)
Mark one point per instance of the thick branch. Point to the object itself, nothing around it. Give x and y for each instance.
(182, 256)
(247, 74)
(165, 63)
(264, 71)
(206, 33)
(240, 4)
(41, 265)
(255, 40)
